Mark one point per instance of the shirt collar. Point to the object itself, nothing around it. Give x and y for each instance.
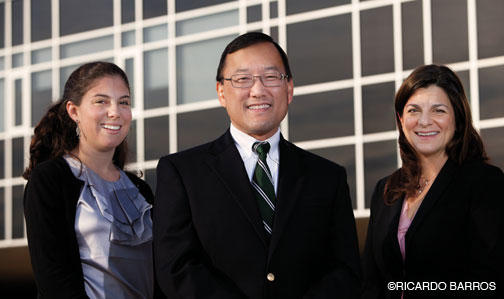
(245, 142)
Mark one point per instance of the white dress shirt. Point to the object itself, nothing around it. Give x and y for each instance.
(244, 144)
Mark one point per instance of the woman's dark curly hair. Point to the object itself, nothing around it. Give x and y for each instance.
(465, 145)
(55, 133)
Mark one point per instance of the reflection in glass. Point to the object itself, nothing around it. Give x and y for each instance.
(155, 33)
(2, 24)
(321, 115)
(377, 41)
(17, 212)
(156, 132)
(322, 57)
(490, 17)
(380, 160)
(40, 19)
(154, 8)
(344, 156)
(41, 55)
(150, 178)
(156, 78)
(17, 22)
(183, 5)
(199, 127)
(449, 31)
(2, 213)
(378, 107)
(206, 23)
(17, 157)
(196, 77)
(2, 105)
(79, 16)
(132, 142)
(494, 143)
(128, 38)
(129, 69)
(17, 59)
(127, 11)
(491, 92)
(2, 159)
(89, 46)
(412, 34)
(18, 102)
(41, 94)
(296, 6)
(254, 13)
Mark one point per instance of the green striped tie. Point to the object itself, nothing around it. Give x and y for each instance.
(263, 186)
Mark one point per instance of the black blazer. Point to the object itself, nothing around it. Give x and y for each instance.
(209, 239)
(456, 235)
(50, 202)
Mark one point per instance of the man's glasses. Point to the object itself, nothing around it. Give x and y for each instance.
(270, 79)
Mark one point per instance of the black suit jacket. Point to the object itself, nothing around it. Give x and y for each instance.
(455, 236)
(209, 238)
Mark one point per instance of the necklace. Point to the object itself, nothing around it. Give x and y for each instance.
(421, 187)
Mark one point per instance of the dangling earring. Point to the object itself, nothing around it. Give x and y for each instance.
(77, 129)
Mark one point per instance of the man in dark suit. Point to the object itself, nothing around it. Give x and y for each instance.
(250, 215)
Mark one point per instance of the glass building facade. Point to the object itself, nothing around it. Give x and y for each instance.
(348, 57)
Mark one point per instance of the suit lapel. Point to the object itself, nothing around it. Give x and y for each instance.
(226, 162)
(440, 184)
(392, 258)
(290, 182)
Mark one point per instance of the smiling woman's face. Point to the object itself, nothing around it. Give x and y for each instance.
(428, 122)
(104, 114)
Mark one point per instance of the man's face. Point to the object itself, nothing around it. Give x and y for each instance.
(256, 110)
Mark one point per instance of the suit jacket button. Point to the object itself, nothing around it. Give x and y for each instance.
(270, 277)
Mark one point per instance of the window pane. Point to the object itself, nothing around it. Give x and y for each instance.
(296, 6)
(2, 105)
(494, 143)
(412, 34)
(2, 63)
(274, 36)
(321, 57)
(157, 139)
(464, 79)
(273, 10)
(89, 46)
(491, 92)
(321, 115)
(40, 19)
(206, 23)
(150, 178)
(132, 142)
(2, 213)
(2, 25)
(344, 156)
(154, 8)
(41, 95)
(196, 77)
(17, 212)
(156, 78)
(377, 41)
(17, 22)
(128, 38)
(129, 69)
(155, 33)
(78, 16)
(127, 11)
(199, 127)
(380, 160)
(490, 17)
(18, 100)
(42, 55)
(183, 5)
(65, 72)
(17, 59)
(2, 159)
(254, 13)
(17, 157)
(449, 31)
(378, 107)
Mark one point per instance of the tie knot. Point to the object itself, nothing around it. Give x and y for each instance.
(261, 148)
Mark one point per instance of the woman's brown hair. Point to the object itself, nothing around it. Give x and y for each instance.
(55, 134)
(465, 145)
